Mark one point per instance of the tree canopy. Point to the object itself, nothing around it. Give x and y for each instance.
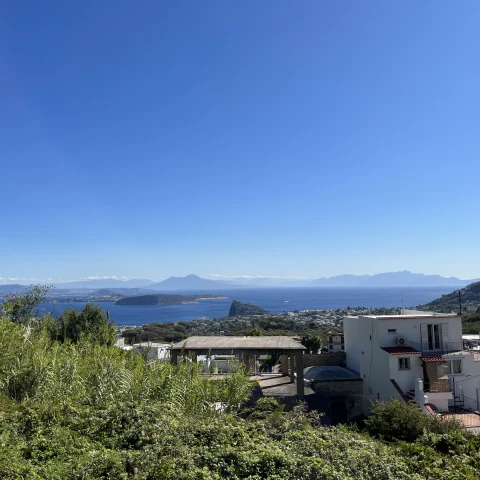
(91, 322)
(19, 307)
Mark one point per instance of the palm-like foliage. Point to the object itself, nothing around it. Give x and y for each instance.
(34, 369)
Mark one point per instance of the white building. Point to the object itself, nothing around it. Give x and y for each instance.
(463, 368)
(153, 351)
(335, 342)
(473, 341)
(220, 364)
(405, 356)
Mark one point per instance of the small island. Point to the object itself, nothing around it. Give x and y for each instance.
(166, 299)
(239, 309)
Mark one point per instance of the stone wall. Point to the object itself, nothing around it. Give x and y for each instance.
(337, 359)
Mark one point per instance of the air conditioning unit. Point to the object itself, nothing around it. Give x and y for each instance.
(402, 341)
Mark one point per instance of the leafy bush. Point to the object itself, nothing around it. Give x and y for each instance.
(397, 420)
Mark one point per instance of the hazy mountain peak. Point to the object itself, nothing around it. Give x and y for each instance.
(390, 279)
(189, 282)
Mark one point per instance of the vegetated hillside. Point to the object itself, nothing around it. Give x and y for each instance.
(470, 296)
(245, 309)
(449, 302)
(97, 412)
(316, 323)
(127, 292)
(162, 299)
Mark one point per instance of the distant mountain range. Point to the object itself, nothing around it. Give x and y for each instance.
(390, 279)
(194, 282)
(14, 288)
(190, 282)
(105, 283)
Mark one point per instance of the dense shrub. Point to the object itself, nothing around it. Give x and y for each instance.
(395, 420)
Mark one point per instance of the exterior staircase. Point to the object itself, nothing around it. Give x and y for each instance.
(411, 398)
(411, 395)
(459, 401)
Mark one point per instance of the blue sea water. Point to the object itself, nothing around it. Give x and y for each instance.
(276, 300)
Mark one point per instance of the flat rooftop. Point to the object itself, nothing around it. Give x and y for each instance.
(330, 373)
(418, 316)
(239, 343)
(278, 386)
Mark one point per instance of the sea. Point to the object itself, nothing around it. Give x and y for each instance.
(275, 300)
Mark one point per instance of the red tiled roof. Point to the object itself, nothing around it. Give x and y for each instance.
(401, 350)
(433, 359)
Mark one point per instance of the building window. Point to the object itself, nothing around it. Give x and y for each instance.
(404, 363)
(433, 337)
(329, 339)
(453, 366)
(392, 330)
(343, 347)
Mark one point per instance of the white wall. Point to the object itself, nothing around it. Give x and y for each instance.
(365, 357)
(410, 328)
(357, 338)
(155, 352)
(469, 380)
(380, 384)
(440, 399)
(406, 378)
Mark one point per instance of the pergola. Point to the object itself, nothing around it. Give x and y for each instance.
(247, 348)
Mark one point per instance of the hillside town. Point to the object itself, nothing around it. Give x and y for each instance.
(415, 356)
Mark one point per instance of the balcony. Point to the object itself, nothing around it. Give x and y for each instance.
(438, 386)
(445, 347)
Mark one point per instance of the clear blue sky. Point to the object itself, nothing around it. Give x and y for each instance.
(154, 138)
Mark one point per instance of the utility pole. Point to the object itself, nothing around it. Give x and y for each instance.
(460, 300)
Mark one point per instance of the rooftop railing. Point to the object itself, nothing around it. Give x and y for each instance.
(445, 347)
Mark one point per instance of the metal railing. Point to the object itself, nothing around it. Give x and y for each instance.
(464, 402)
(471, 404)
(445, 347)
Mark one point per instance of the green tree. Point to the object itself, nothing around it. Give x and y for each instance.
(312, 343)
(19, 307)
(131, 335)
(91, 322)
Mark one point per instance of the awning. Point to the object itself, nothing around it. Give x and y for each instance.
(433, 359)
(401, 350)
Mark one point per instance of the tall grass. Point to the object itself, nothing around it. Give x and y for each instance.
(35, 370)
